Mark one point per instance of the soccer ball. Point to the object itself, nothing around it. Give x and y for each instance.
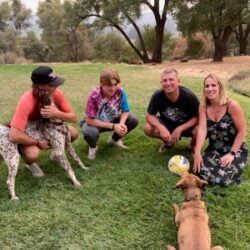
(178, 164)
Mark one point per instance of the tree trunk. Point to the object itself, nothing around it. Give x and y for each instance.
(220, 44)
(242, 34)
(160, 20)
(157, 53)
(219, 50)
(243, 46)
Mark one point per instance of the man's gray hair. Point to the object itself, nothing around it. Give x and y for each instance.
(168, 71)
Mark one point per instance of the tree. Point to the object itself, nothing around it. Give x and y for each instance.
(108, 47)
(111, 47)
(195, 47)
(33, 47)
(65, 38)
(4, 15)
(242, 30)
(19, 16)
(119, 14)
(148, 35)
(217, 17)
(14, 18)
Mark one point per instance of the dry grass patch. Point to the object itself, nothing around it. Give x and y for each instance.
(240, 83)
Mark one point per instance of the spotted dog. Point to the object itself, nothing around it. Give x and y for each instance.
(58, 135)
(54, 130)
(9, 153)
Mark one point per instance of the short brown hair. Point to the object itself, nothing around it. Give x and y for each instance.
(107, 75)
(222, 94)
(168, 71)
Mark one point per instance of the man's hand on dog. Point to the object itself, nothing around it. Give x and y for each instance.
(43, 144)
(49, 112)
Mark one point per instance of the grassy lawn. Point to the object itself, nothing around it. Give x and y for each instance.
(126, 198)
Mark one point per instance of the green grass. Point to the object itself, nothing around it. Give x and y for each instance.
(240, 83)
(126, 198)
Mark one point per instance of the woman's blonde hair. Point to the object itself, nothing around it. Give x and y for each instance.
(222, 92)
(107, 75)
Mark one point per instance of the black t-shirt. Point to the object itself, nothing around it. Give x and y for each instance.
(174, 113)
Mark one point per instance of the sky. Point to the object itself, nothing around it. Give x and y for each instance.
(31, 4)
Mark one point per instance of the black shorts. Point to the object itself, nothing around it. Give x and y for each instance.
(19, 149)
(172, 127)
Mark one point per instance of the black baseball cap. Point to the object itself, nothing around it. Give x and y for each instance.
(45, 75)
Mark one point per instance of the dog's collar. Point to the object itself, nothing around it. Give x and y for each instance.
(192, 198)
(57, 123)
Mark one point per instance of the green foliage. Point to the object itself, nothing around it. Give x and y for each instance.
(10, 42)
(169, 44)
(4, 15)
(108, 47)
(14, 18)
(19, 16)
(125, 202)
(33, 47)
(149, 38)
(111, 47)
(65, 37)
(215, 17)
(195, 48)
(119, 14)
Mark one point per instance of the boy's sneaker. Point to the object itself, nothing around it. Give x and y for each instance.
(164, 146)
(118, 143)
(92, 153)
(35, 170)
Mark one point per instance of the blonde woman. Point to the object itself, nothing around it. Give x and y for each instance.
(222, 121)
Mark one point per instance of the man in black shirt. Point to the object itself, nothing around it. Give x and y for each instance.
(177, 107)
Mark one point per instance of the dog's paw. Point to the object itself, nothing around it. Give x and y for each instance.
(170, 247)
(15, 198)
(77, 184)
(175, 206)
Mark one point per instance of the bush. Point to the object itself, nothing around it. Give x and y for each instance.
(12, 58)
(195, 48)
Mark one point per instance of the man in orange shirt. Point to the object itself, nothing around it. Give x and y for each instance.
(43, 79)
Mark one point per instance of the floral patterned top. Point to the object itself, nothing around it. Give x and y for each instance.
(222, 134)
(221, 137)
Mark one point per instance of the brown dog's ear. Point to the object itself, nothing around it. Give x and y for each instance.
(200, 183)
(181, 184)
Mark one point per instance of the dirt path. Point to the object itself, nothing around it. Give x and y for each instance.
(225, 69)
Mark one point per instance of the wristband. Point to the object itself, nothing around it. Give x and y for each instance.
(113, 127)
(233, 153)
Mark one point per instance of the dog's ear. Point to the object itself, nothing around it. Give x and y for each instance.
(181, 184)
(200, 183)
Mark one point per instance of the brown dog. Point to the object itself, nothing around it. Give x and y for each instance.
(192, 217)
